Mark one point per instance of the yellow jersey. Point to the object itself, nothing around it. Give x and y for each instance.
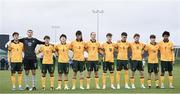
(63, 53)
(152, 50)
(78, 48)
(93, 50)
(108, 51)
(166, 51)
(15, 52)
(137, 50)
(47, 51)
(122, 48)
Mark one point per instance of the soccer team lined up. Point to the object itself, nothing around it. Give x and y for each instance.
(17, 47)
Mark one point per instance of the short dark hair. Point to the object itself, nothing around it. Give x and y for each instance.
(46, 37)
(152, 36)
(123, 34)
(63, 35)
(78, 32)
(29, 30)
(15, 33)
(136, 35)
(92, 33)
(109, 34)
(165, 33)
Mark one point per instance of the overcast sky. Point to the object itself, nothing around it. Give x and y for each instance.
(132, 16)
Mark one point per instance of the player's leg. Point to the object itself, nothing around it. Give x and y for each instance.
(89, 70)
(81, 69)
(26, 63)
(150, 66)
(33, 68)
(20, 76)
(96, 67)
(66, 72)
(60, 72)
(104, 75)
(126, 74)
(118, 68)
(43, 76)
(51, 72)
(141, 70)
(170, 69)
(163, 69)
(133, 70)
(13, 76)
(75, 70)
(156, 73)
(111, 70)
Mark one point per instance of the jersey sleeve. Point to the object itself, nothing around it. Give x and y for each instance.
(39, 42)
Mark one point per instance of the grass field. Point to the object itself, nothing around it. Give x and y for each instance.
(5, 84)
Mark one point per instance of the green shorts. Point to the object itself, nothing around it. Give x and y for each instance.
(63, 68)
(47, 67)
(15, 67)
(78, 66)
(92, 65)
(108, 66)
(166, 66)
(153, 67)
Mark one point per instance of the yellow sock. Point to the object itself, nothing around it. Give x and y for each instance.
(142, 80)
(13, 79)
(88, 81)
(118, 77)
(81, 82)
(20, 79)
(96, 81)
(170, 80)
(126, 77)
(59, 83)
(52, 81)
(65, 83)
(112, 78)
(162, 79)
(149, 82)
(43, 81)
(104, 78)
(132, 80)
(74, 82)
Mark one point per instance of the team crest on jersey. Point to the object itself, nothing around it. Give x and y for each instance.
(110, 49)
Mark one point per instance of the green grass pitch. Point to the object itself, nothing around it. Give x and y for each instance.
(5, 84)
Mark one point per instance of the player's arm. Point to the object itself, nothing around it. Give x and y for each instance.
(20, 40)
(143, 48)
(56, 50)
(39, 51)
(115, 47)
(173, 57)
(9, 55)
(102, 50)
(71, 46)
(39, 42)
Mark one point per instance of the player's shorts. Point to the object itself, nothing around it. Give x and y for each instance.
(15, 67)
(63, 68)
(30, 64)
(108, 66)
(92, 65)
(47, 67)
(166, 66)
(78, 66)
(136, 65)
(153, 67)
(122, 64)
